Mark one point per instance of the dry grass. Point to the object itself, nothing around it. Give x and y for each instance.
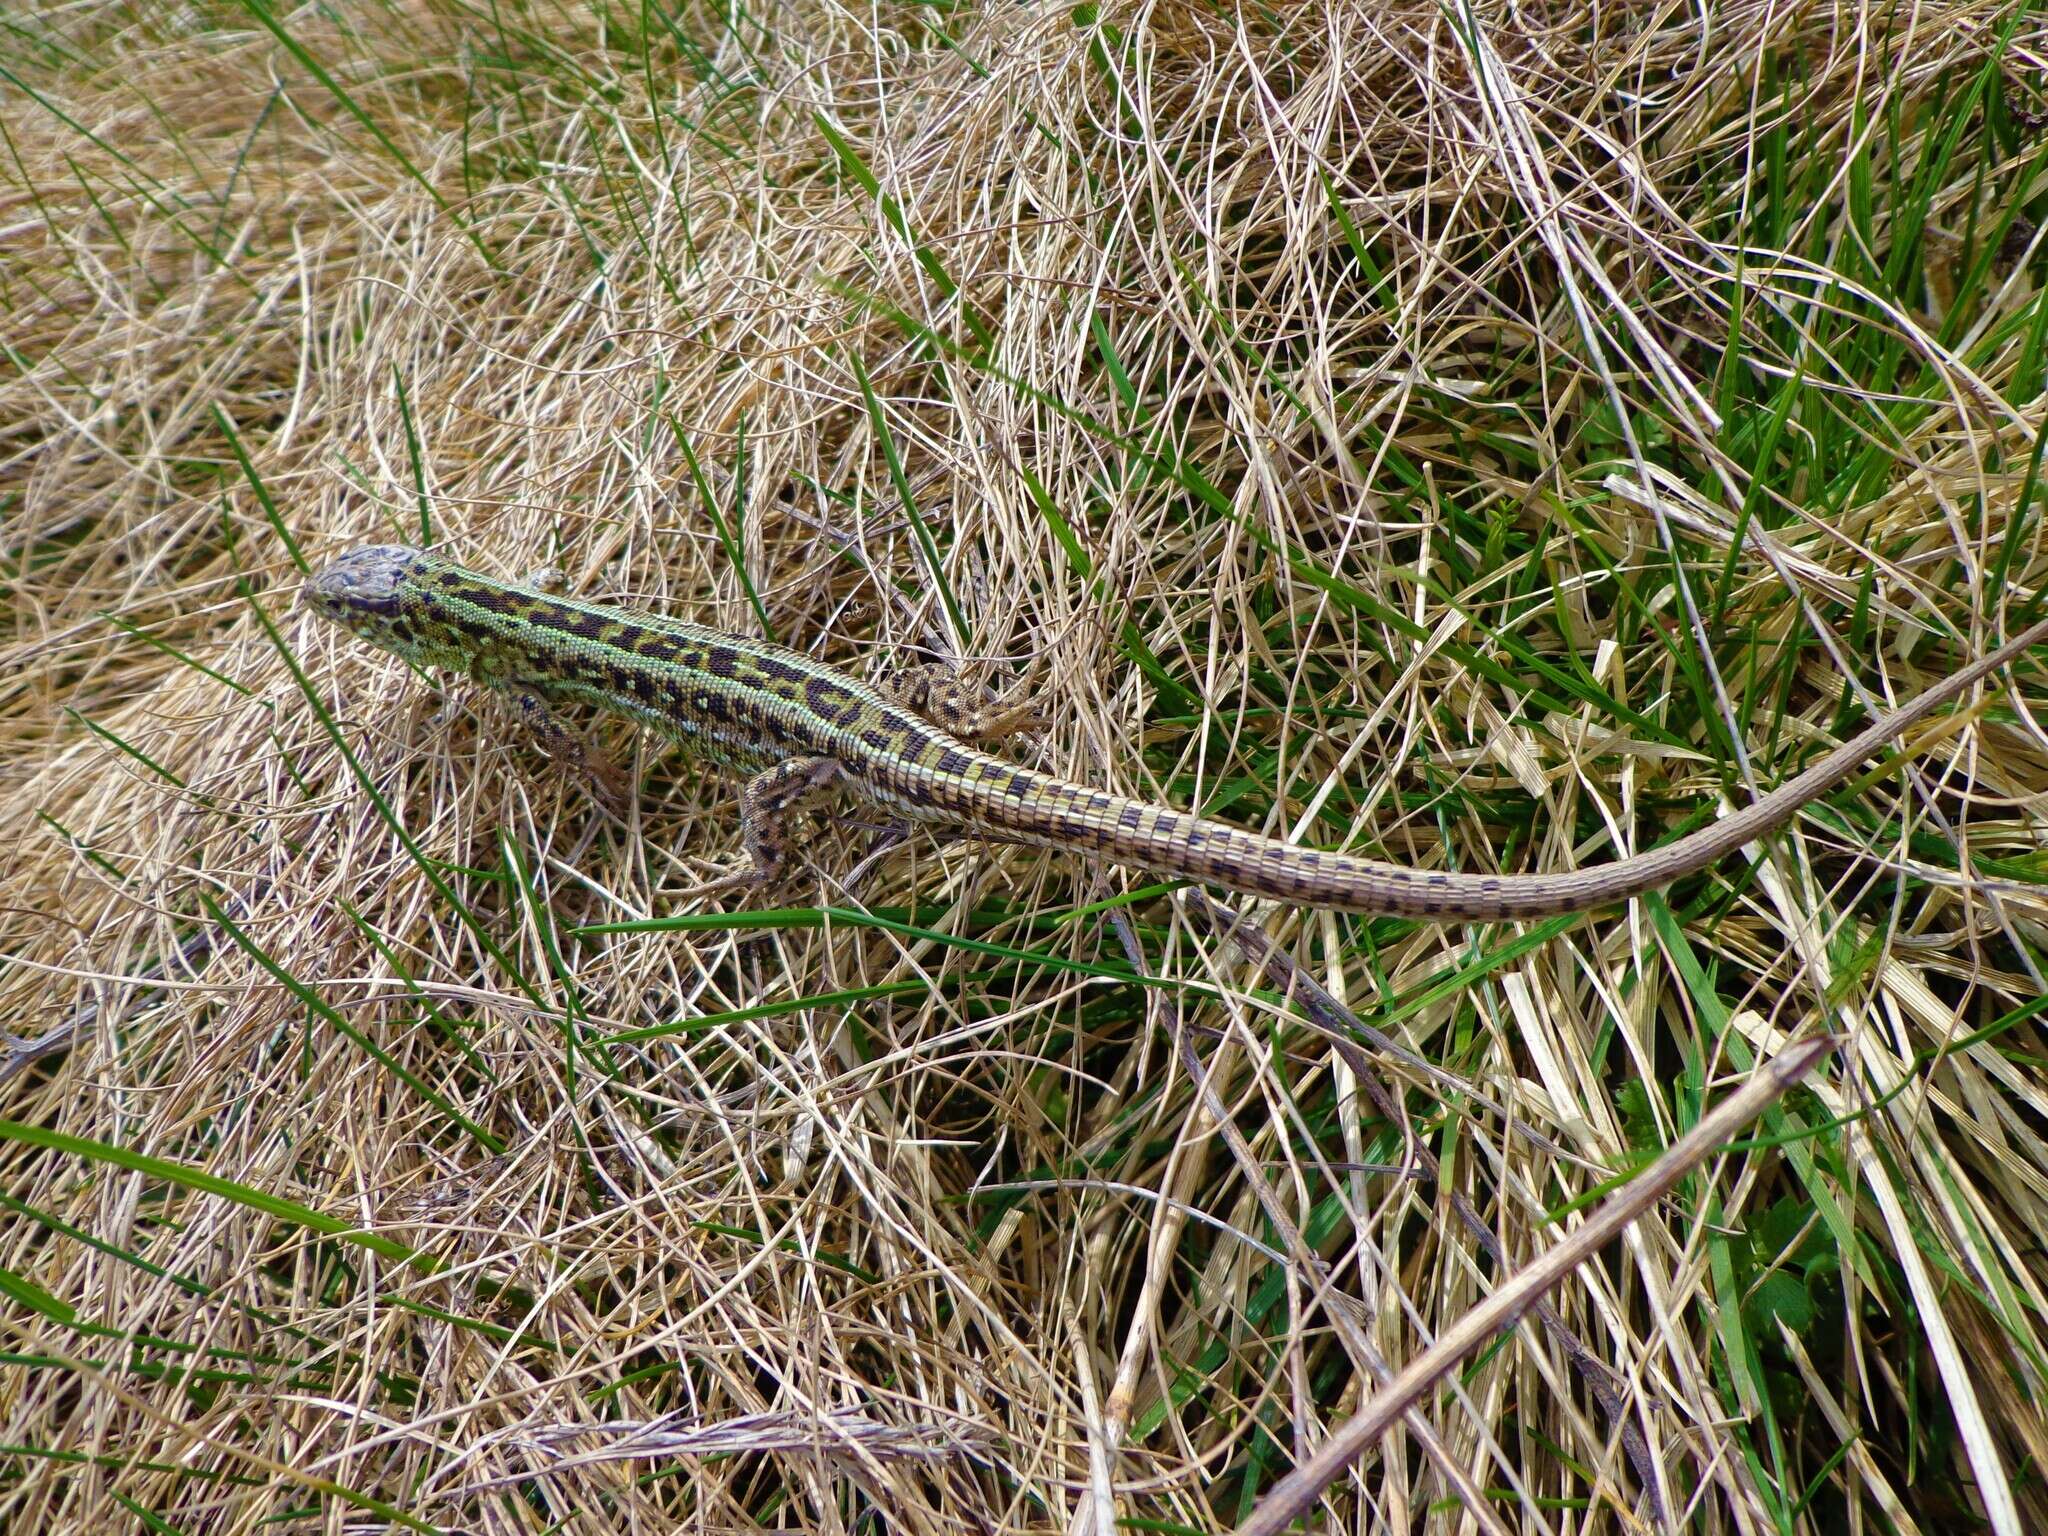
(1407, 425)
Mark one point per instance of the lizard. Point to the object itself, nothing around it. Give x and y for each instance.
(801, 729)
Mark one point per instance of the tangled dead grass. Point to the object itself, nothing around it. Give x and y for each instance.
(1349, 417)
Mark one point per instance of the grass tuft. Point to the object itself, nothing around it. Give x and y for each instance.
(1491, 436)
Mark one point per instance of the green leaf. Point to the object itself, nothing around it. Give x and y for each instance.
(1780, 1297)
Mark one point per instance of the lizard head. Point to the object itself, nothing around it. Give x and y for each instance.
(375, 593)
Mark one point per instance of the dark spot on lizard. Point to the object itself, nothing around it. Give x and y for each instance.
(656, 646)
(490, 599)
(639, 684)
(827, 700)
(777, 670)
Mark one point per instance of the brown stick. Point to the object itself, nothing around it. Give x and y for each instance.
(1295, 1493)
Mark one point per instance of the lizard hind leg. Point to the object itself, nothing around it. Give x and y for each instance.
(770, 800)
(958, 707)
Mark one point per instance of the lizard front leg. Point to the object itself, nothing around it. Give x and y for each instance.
(607, 781)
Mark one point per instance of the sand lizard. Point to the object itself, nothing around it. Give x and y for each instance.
(801, 728)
